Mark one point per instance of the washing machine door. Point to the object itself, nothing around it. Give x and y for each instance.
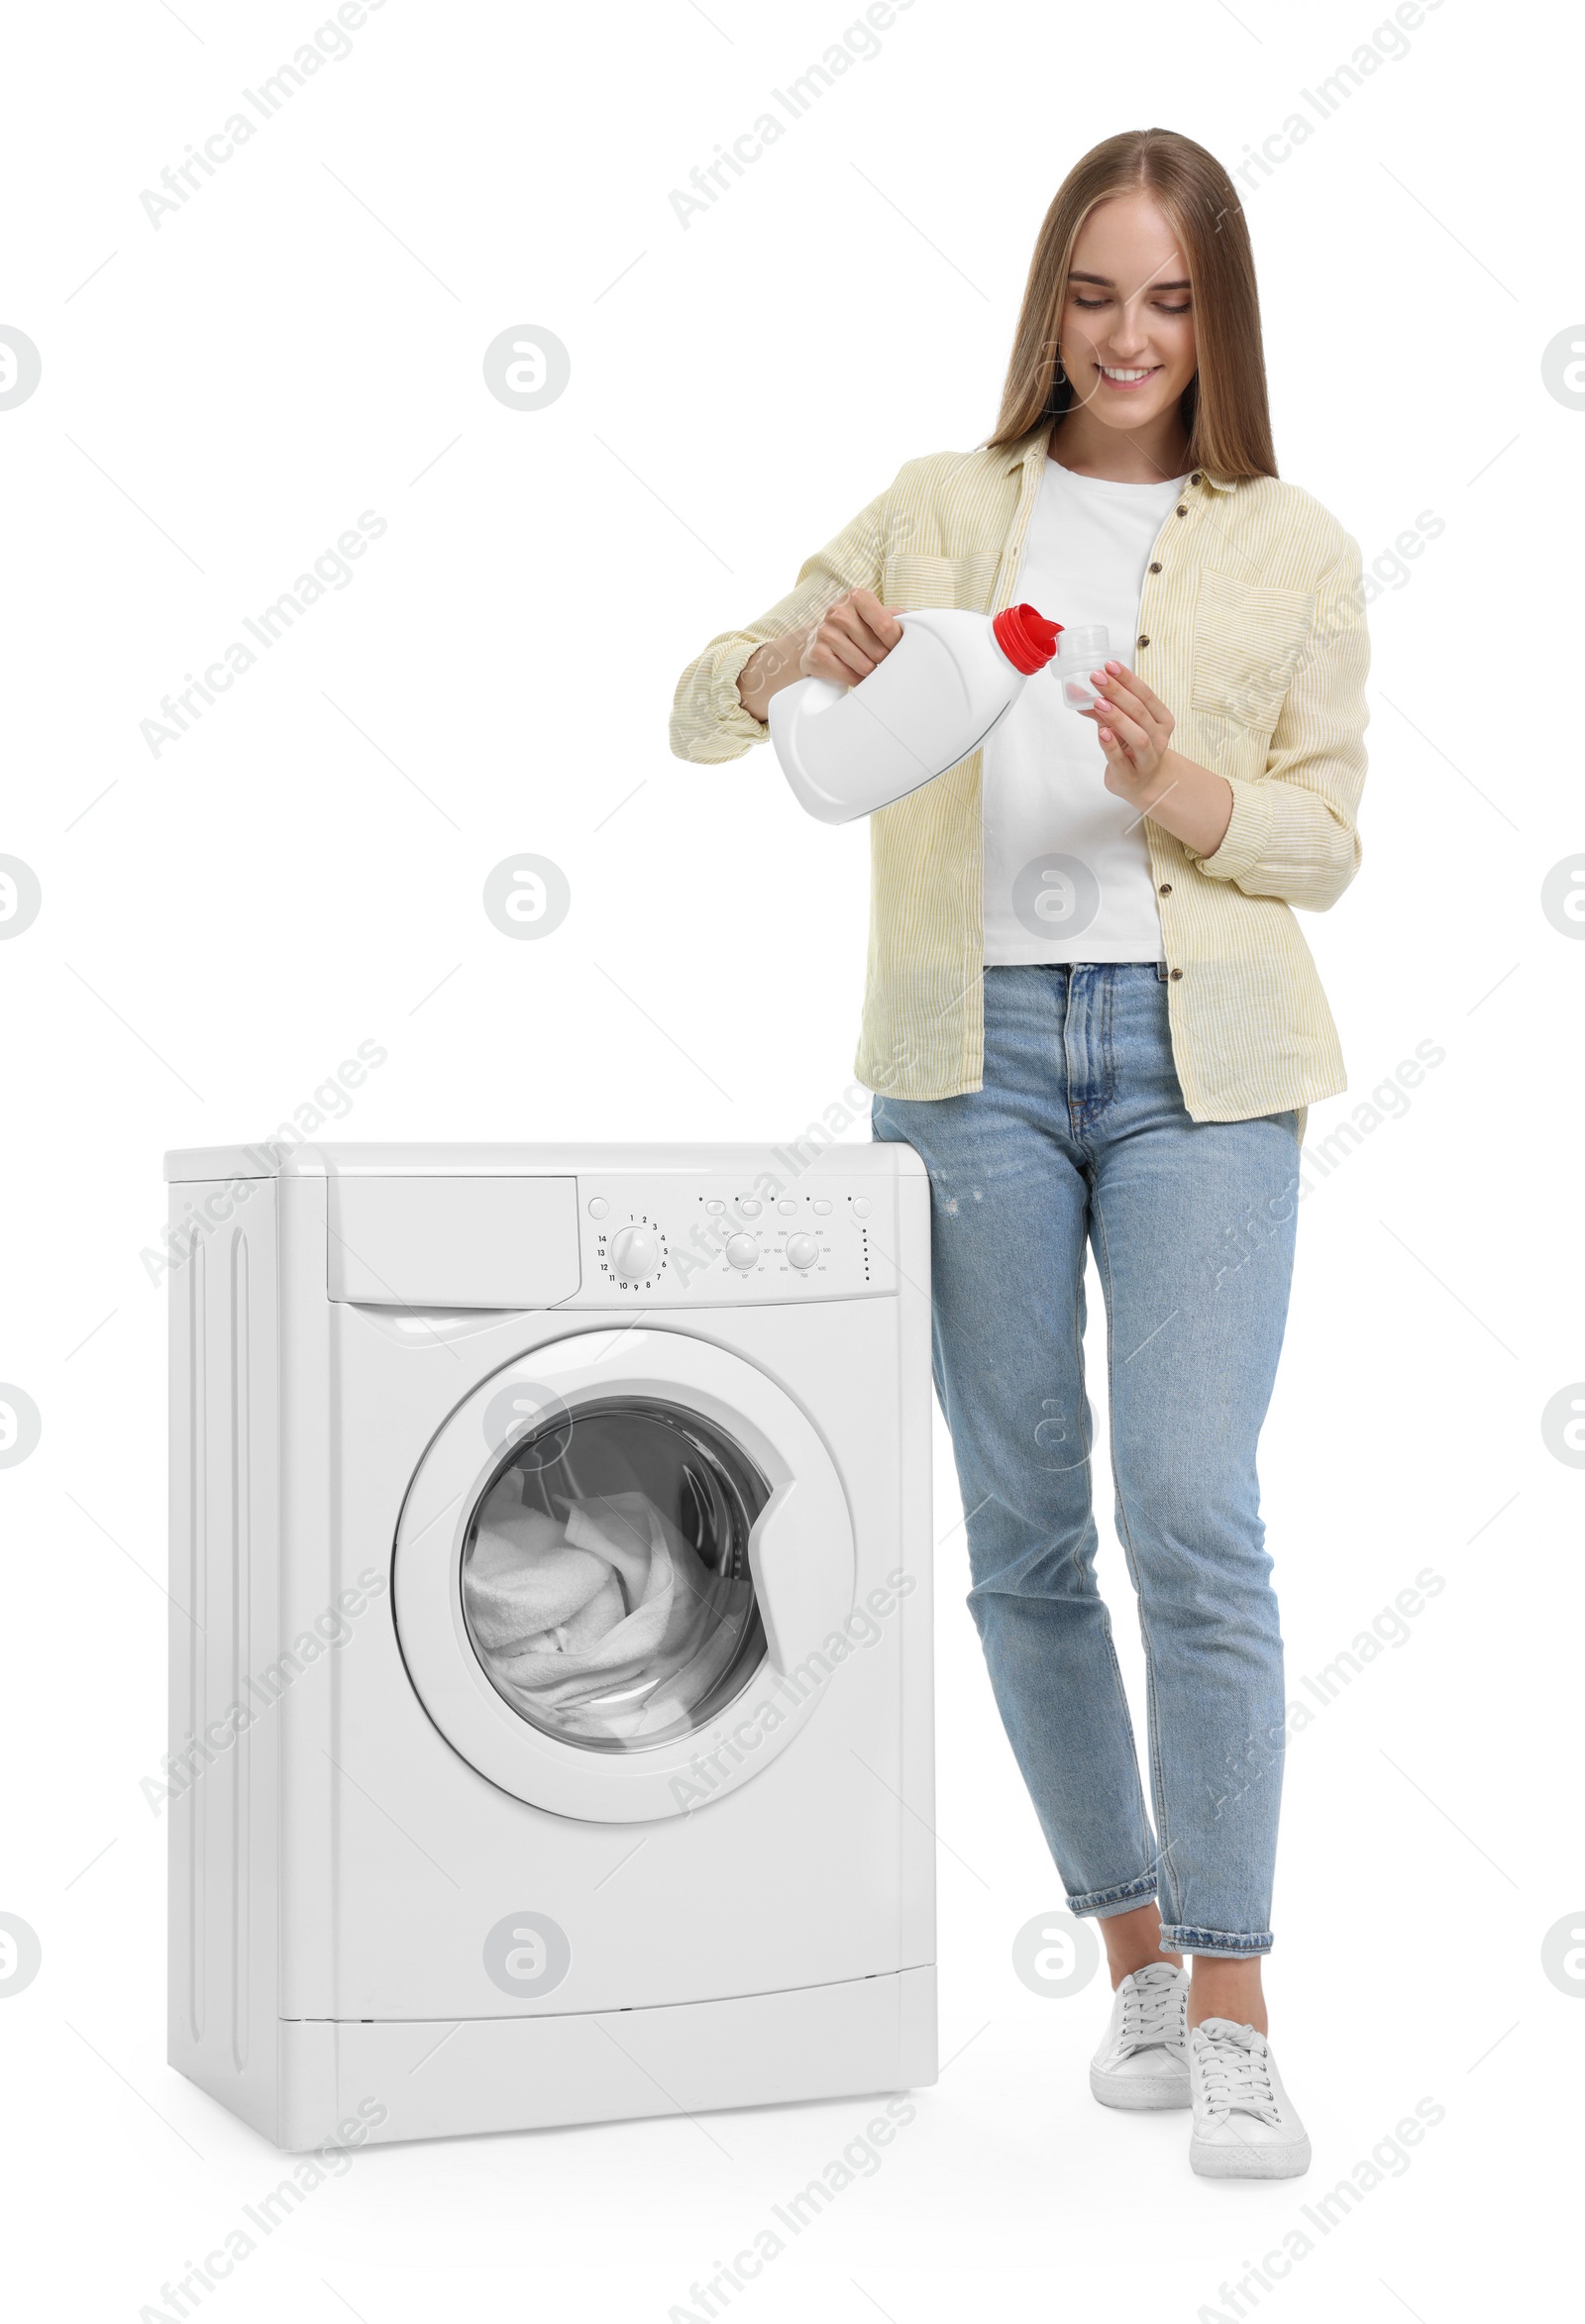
(618, 1572)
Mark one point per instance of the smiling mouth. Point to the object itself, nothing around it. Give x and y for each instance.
(1126, 375)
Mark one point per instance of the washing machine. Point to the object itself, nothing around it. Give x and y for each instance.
(550, 1633)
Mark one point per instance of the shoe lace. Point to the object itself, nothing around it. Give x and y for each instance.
(1236, 2073)
(1151, 2008)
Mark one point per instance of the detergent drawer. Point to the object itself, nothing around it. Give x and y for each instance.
(453, 1242)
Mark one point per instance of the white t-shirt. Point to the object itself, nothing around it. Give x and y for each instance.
(1065, 877)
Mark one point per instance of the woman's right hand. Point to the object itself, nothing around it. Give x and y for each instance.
(843, 646)
(853, 636)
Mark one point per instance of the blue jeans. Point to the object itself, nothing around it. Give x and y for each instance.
(1080, 1131)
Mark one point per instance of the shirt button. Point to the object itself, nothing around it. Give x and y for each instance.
(1182, 510)
(1194, 479)
(1165, 888)
(1176, 975)
(1144, 641)
(1155, 569)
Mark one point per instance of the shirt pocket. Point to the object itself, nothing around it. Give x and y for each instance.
(1247, 642)
(911, 581)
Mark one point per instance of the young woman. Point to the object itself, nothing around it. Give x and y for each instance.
(1092, 1013)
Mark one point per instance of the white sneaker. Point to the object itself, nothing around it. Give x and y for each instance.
(1143, 2061)
(1244, 2124)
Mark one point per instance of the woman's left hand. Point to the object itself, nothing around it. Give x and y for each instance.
(1142, 768)
(1135, 729)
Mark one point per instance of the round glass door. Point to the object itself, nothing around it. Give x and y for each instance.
(606, 1581)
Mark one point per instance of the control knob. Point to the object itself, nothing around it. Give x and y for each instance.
(802, 1250)
(635, 1253)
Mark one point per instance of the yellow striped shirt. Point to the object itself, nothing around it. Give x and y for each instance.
(1252, 632)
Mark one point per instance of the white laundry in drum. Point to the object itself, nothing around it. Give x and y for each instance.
(603, 1623)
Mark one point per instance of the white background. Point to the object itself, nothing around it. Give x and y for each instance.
(302, 340)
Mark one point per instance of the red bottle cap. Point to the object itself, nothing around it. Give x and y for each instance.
(1026, 638)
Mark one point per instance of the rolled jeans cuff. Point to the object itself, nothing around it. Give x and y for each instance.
(1103, 1902)
(1177, 1938)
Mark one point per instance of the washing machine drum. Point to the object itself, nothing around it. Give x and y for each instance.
(629, 1549)
(605, 1576)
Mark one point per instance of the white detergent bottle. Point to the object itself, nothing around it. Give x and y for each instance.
(847, 750)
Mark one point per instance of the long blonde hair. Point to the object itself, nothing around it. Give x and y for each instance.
(1225, 407)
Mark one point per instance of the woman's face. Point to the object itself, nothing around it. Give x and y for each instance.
(1128, 331)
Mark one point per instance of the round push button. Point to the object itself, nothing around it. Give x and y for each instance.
(862, 1206)
(599, 1207)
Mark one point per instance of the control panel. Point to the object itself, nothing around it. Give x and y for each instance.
(689, 1240)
